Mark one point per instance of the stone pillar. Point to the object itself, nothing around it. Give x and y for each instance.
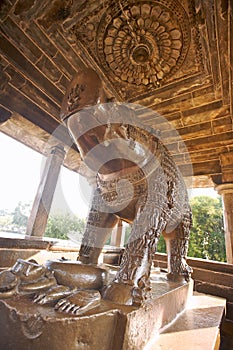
(226, 191)
(41, 207)
(117, 235)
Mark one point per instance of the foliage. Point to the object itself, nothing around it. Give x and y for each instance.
(161, 248)
(207, 238)
(5, 220)
(21, 214)
(60, 225)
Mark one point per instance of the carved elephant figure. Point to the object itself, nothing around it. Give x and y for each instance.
(136, 180)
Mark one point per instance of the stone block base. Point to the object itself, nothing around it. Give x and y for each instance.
(27, 326)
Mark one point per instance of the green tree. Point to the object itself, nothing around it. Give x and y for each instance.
(207, 239)
(161, 247)
(5, 220)
(61, 225)
(21, 214)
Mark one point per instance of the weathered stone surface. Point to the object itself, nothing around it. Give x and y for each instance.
(9, 256)
(28, 109)
(70, 53)
(230, 311)
(202, 109)
(213, 154)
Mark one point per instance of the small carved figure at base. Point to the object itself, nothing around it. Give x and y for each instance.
(25, 277)
(30, 278)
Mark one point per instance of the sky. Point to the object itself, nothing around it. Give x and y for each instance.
(21, 169)
(20, 173)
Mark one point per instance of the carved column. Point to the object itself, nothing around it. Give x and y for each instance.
(225, 189)
(117, 235)
(41, 207)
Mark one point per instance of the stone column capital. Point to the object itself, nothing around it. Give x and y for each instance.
(57, 150)
(224, 188)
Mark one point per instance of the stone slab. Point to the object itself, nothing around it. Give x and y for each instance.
(27, 326)
(197, 328)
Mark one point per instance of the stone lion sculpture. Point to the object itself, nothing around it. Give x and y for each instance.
(135, 180)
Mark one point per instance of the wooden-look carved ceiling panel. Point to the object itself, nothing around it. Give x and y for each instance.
(140, 46)
(172, 57)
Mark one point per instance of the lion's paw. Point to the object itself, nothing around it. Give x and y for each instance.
(79, 302)
(53, 295)
(120, 293)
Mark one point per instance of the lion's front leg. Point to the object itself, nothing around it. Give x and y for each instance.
(131, 285)
(98, 228)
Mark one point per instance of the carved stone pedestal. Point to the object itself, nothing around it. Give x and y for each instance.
(25, 325)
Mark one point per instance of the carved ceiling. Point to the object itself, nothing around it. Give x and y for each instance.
(139, 47)
(168, 56)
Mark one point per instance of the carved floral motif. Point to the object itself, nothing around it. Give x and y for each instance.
(145, 42)
(138, 46)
